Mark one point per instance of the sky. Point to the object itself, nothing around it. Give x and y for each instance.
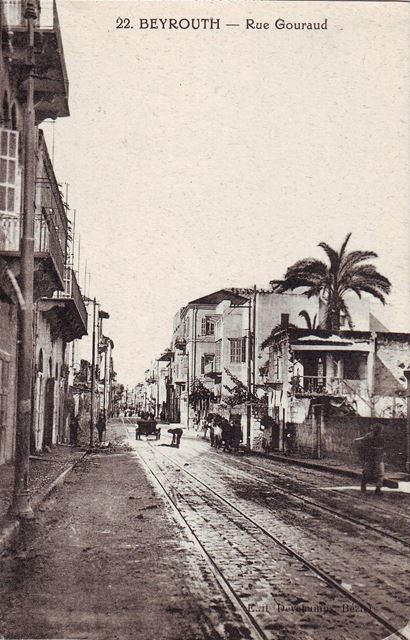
(198, 160)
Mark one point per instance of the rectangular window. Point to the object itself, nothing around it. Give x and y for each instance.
(235, 350)
(207, 326)
(8, 164)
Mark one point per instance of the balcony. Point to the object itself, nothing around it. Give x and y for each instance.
(48, 253)
(311, 386)
(51, 81)
(66, 310)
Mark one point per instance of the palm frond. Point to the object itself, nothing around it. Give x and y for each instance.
(332, 255)
(354, 258)
(304, 314)
(344, 245)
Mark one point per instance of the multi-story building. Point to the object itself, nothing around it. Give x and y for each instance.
(218, 356)
(325, 389)
(59, 313)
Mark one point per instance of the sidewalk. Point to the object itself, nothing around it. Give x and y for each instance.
(328, 465)
(46, 470)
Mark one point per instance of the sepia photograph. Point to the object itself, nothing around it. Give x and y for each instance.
(204, 247)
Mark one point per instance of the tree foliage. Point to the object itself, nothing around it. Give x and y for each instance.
(345, 272)
(238, 393)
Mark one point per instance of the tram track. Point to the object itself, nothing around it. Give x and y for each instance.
(322, 507)
(257, 632)
(307, 564)
(358, 499)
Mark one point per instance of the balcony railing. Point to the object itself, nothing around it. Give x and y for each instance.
(53, 85)
(320, 385)
(73, 291)
(46, 239)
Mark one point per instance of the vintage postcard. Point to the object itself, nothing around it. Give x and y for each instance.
(204, 320)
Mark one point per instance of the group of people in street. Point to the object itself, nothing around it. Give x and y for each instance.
(223, 434)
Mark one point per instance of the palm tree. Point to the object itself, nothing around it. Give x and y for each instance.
(345, 272)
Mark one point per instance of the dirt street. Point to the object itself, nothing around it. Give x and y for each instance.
(190, 543)
(105, 559)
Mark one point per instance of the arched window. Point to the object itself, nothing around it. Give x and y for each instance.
(40, 361)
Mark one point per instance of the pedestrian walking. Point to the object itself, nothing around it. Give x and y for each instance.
(371, 453)
(101, 426)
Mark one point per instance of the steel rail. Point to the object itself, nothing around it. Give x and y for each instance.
(318, 505)
(317, 570)
(247, 617)
(375, 507)
(357, 498)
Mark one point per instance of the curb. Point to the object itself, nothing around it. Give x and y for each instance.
(348, 473)
(11, 528)
(318, 466)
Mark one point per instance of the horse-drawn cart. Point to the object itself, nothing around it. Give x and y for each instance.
(147, 428)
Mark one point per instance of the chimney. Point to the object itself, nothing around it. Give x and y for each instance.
(284, 320)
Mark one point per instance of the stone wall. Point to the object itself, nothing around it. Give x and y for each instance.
(338, 435)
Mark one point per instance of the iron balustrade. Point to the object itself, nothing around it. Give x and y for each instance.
(46, 239)
(319, 385)
(72, 290)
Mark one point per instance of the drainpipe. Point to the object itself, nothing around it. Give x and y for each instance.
(21, 496)
(92, 377)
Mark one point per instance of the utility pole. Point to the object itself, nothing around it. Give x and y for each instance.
(187, 390)
(21, 496)
(92, 377)
(407, 375)
(249, 380)
(254, 340)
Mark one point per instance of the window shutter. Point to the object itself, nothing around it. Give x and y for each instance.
(8, 170)
(203, 327)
